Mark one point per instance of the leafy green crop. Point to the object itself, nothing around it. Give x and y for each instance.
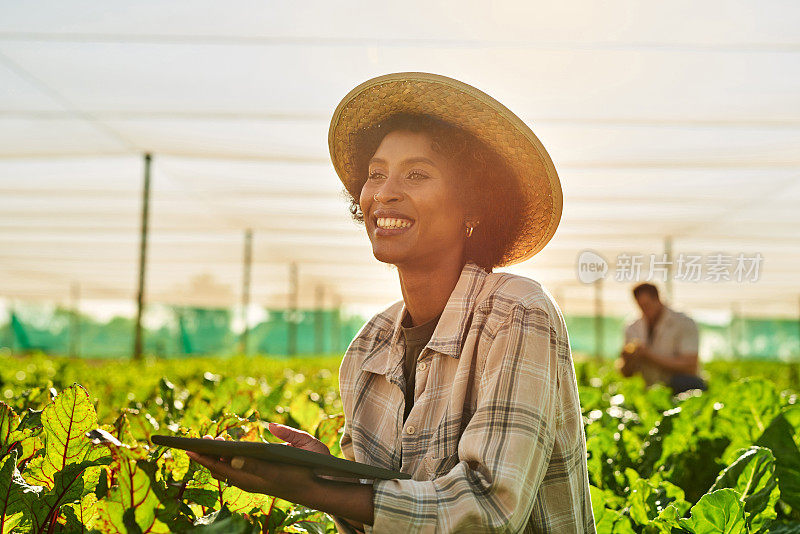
(80, 460)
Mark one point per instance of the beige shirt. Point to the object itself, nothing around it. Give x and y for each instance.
(495, 440)
(674, 333)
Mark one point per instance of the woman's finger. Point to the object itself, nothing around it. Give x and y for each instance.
(284, 432)
(206, 461)
(223, 472)
(209, 436)
(298, 438)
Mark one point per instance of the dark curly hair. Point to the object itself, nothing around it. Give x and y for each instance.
(490, 191)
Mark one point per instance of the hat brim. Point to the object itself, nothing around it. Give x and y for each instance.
(466, 107)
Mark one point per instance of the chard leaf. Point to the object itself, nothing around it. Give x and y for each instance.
(11, 500)
(778, 437)
(226, 423)
(666, 522)
(223, 521)
(750, 406)
(238, 500)
(31, 419)
(80, 515)
(648, 498)
(718, 512)
(306, 520)
(314, 527)
(329, 431)
(66, 420)
(9, 421)
(792, 416)
(70, 484)
(607, 520)
(305, 411)
(752, 475)
(14, 434)
(132, 501)
(785, 528)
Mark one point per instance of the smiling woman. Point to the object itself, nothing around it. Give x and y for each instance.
(467, 384)
(481, 180)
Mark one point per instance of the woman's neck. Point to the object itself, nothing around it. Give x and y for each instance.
(427, 289)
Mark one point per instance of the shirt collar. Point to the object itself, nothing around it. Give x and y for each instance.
(448, 337)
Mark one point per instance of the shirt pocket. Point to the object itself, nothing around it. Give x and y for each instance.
(438, 466)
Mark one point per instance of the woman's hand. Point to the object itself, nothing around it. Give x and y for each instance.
(258, 476)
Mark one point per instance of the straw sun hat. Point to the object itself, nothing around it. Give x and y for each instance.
(466, 107)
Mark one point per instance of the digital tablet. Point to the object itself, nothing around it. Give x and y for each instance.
(323, 464)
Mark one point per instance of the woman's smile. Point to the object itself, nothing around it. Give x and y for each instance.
(385, 223)
(391, 223)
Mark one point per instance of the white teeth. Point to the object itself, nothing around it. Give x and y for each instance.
(387, 222)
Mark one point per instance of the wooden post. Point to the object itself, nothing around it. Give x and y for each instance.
(75, 326)
(598, 319)
(248, 260)
(138, 342)
(292, 318)
(319, 333)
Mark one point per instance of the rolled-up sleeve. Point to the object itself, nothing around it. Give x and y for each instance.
(505, 450)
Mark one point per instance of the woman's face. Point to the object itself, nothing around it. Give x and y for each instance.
(409, 201)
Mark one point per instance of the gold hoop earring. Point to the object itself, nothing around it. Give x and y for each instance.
(469, 230)
(375, 197)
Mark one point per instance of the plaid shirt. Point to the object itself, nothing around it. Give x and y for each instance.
(494, 440)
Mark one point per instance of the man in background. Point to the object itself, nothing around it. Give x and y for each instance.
(662, 345)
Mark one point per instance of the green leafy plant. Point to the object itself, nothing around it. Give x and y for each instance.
(79, 459)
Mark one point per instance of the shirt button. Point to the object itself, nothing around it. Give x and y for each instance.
(422, 366)
(410, 429)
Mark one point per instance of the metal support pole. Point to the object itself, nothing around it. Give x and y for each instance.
(598, 319)
(137, 343)
(319, 333)
(248, 261)
(75, 326)
(292, 323)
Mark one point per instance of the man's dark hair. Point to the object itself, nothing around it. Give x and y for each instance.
(645, 289)
(491, 192)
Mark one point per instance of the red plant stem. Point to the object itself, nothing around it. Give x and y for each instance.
(52, 515)
(5, 507)
(133, 490)
(53, 522)
(183, 488)
(271, 506)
